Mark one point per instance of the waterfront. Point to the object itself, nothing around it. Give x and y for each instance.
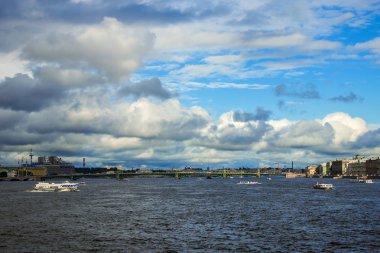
(192, 215)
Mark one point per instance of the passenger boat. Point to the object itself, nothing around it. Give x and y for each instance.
(248, 182)
(56, 187)
(323, 186)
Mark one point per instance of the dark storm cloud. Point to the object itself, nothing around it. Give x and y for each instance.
(9, 137)
(371, 139)
(349, 98)
(14, 35)
(10, 119)
(146, 88)
(10, 9)
(22, 93)
(261, 114)
(306, 91)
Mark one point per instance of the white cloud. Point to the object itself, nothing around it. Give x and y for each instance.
(109, 48)
(346, 128)
(302, 134)
(227, 133)
(290, 64)
(278, 41)
(372, 45)
(11, 64)
(143, 118)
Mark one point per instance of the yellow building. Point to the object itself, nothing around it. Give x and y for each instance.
(311, 170)
(32, 171)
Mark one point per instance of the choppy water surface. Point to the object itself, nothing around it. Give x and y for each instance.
(191, 215)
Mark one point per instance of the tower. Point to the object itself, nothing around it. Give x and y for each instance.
(31, 156)
(84, 162)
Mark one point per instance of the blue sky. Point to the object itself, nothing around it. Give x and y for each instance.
(172, 84)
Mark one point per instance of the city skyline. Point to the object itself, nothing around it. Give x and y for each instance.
(174, 84)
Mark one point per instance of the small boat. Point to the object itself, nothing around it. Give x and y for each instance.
(248, 182)
(323, 186)
(56, 187)
(363, 181)
(269, 178)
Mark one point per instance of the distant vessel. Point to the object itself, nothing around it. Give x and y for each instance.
(248, 182)
(363, 181)
(56, 187)
(322, 186)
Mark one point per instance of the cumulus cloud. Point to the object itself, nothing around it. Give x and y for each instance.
(110, 49)
(346, 128)
(146, 88)
(67, 78)
(302, 134)
(370, 139)
(27, 94)
(143, 119)
(333, 134)
(228, 133)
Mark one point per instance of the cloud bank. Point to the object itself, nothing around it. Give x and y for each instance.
(118, 83)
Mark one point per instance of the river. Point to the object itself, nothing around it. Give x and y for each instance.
(192, 215)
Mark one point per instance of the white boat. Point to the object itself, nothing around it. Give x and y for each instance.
(56, 187)
(323, 186)
(248, 182)
(363, 181)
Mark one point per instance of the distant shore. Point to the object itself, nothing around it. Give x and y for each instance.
(173, 174)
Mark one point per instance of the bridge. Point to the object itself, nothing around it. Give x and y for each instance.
(173, 174)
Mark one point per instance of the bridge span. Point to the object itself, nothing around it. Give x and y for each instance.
(173, 174)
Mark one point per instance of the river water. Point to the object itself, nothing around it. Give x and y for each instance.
(191, 215)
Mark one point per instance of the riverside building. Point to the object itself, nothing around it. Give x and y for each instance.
(373, 166)
(54, 165)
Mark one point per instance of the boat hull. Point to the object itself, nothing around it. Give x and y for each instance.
(320, 186)
(56, 187)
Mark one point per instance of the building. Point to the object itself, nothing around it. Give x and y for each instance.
(339, 167)
(54, 165)
(373, 166)
(357, 168)
(324, 169)
(311, 170)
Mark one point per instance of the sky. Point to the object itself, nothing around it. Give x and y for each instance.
(169, 84)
